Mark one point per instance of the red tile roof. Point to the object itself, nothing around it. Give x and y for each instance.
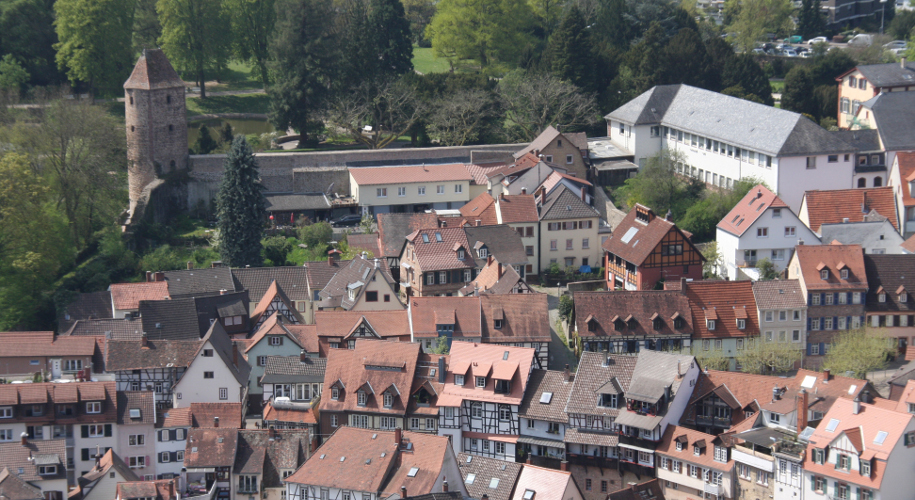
(24, 344)
(633, 240)
(600, 309)
(482, 208)
(556, 177)
(354, 369)
(482, 171)
(367, 242)
(127, 296)
(440, 255)
(548, 484)
(370, 176)
(720, 300)
(518, 208)
(706, 458)
(815, 258)
(525, 317)
(909, 244)
(231, 415)
(153, 71)
(463, 312)
(393, 229)
(277, 325)
(162, 489)
(386, 324)
(272, 413)
(750, 208)
(906, 176)
(486, 360)
(174, 417)
(830, 207)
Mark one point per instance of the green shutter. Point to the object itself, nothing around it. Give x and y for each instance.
(85, 454)
(107, 430)
(85, 431)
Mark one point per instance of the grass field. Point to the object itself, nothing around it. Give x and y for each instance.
(778, 86)
(425, 62)
(246, 103)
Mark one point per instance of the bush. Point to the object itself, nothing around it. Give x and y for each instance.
(276, 248)
(316, 234)
(565, 306)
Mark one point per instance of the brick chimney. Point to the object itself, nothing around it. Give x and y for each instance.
(567, 373)
(190, 264)
(398, 437)
(499, 271)
(489, 260)
(271, 433)
(584, 194)
(826, 375)
(303, 355)
(564, 466)
(445, 486)
(856, 406)
(802, 410)
(144, 342)
(478, 222)
(215, 421)
(524, 190)
(403, 492)
(24, 439)
(160, 276)
(149, 276)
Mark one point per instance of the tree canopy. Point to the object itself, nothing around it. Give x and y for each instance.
(486, 31)
(859, 351)
(93, 46)
(240, 207)
(194, 35)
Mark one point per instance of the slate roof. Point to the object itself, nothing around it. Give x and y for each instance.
(318, 274)
(830, 207)
(127, 296)
(558, 385)
(778, 294)
(862, 140)
(353, 368)
(211, 447)
(259, 452)
(869, 234)
(492, 361)
(118, 329)
(393, 229)
(483, 207)
(170, 319)
(23, 344)
(525, 317)
(724, 302)
(292, 202)
(14, 456)
(130, 355)
(749, 208)
(15, 488)
(596, 312)
(372, 176)
(485, 470)
(889, 74)
(359, 270)
(772, 131)
(890, 274)
(518, 208)
(815, 258)
(153, 71)
(290, 369)
(216, 307)
(463, 312)
(94, 305)
(440, 255)
(197, 282)
(562, 203)
(257, 280)
(503, 242)
(633, 240)
(145, 401)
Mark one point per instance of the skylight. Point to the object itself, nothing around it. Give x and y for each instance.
(546, 397)
(469, 458)
(342, 458)
(322, 456)
(808, 382)
(881, 437)
(425, 238)
(626, 239)
(470, 478)
(494, 483)
(505, 356)
(438, 237)
(833, 423)
(413, 472)
(528, 494)
(851, 390)
(134, 413)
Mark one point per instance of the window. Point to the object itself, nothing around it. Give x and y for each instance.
(335, 393)
(47, 470)
(569, 158)
(401, 191)
(693, 470)
(675, 466)
(458, 188)
(443, 277)
(223, 393)
(381, 192)
(815, 299)
(500, 448)
(94, 407)
(549, 158)
(497, 324)
(711, 324)
(814, 349)
(72, 365)
(778, 254)
(774, 417)
(440, 189)
(856, 297)
(388, 400)
(554, 245)
(795, 335)
(136, 462)
(6, 434)
(741, 324)
(827, 323)
(881, 297)
(476, 410)
(832, 159)
(371, 296)
(247, 484)
(481, 381)
(333, 421)
(360, 398)
(136, 440)
(585, 243)
(762, 477)
(776, 213)
(6, 412)
(421, 190)
(458, 379)
(811, 162)
(790, 231)
(276, 340)
(505, 412)
(819, 484)
(762, 232)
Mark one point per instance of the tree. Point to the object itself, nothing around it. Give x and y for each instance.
(902, 25)
(303, 64)
(194, 35)
(798, 93)
(810, 19)
(713, 359)
(744, 71)
(566, 306)
(767, 357)
(752, 19)
(205, 143)
(486, 31)
(275, 250)
(391, 109)
(441, 346)
(146, 26)
(767, 270)
(240, 207)
(570, 50)
(314, 235)
(686, 61)
(465, 117)
(657, 184)
(535, 101)
(253, 22)
(13, 76)
(27, 33)
(713, 261)
(859, 351)
(391, 32)
(419, 13)
(367, 224)
(93, 44)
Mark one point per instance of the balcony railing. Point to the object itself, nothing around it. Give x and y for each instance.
(712, 489)
(714, 421)
(638, 441)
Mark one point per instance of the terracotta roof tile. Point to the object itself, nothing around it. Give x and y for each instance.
(594, 312)
(153, 71)
(547, 381)
(647, 490)
(303, 335)
(387, 324)
(778, 294)
(749, 208)
(231, 415)
(593, 373)
(25, 344)
(371, 176)
(359, 270)
(275, 290)
(14, 456)
(722, 299)
(127, 296)
(174, 417)
(525, 317)
(367, 242)
(482, 171)
(815, 258)
(906, 176)
(354, 368)
(211, 447)
(633, 240)
(144, 402)
(493, 477)
(480, 357)
(274, 414)
(548, 484)
(436, 254)
(393, 229)
(162, 489)
(483, 207)
(16, 488)
(426, 312)
(518, 208)
(706, 458)
(830, 207)
(262, 452)
(542, 140)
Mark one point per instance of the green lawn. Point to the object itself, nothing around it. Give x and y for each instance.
(238, 76)
(246, 103)
(425, 62)
(778, 86)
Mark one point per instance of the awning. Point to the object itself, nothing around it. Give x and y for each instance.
(639, 421)
(541, 442)
(634, 447)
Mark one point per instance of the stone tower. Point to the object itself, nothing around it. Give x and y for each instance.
(156, 120)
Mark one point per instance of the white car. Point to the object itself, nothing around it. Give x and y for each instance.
(789, 53)
(819, 39)
(896, 44)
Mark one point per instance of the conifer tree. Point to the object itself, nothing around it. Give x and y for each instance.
(241, 207)
(798, 94)
(392, 36)
(571, 50)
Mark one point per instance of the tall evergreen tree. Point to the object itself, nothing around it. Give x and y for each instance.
(744, 71)
(303, 50)
(194, 35)
(570, 49)
(810, 20)
(27, 32)
(391, 31)
(798, 94)
(240, 206)
(686, 61)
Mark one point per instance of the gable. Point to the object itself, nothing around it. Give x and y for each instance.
(362, 329)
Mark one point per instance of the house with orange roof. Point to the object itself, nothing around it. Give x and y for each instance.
(365, 464)
(484, 386)
(436, 261)
(546, 484)
(126, 297)
(496, 278)
(834, 283)
(173, 425)
(58, 356)
(694, 463)
(848, 205)
(725, 317)
(275, 337)
(860, 451)
(645, 249)
(275, 300)
(341, 329)
(760, 226)
(516, 211)
(902, 180)
(413, 188)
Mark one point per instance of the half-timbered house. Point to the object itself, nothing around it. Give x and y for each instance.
(292, 389)
(273, 301)
(519, 320)
(645, 249)
(275, 337)
(341, 329)
(150, 365)
(484, 388)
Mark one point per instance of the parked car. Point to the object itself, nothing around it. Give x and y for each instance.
(805, 55)
(759, 50)
(794, 39)
(816, 40)
(350, 220)
(862, 40)
(896, 44)
(789, 53)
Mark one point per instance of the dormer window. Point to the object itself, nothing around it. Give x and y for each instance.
(824, 274)
(844, 274)
(679, 446)
(657, 324)
(592, 325)
(388, 400)
(721, 454)
(711, 324)
(865, 467)
(460, 254)
(481, 381)
(619, 325)
(351, 293)
(697, 450)
(881, 297)
(904, 297)
(360, 398)
(458, 379)
(483, 252)
(497, 324)
(741, 324)
(678, 323)
(335, 393)
(608, 400)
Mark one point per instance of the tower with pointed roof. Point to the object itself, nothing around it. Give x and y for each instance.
(156, 121)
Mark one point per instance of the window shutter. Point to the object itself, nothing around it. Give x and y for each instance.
(810, 299)
(85, 432)
(835, 487)
(159, 456)
(281, 340)
(822, 348)
(822, 298)
(85, 454)
(107, 430)
(173, 456)
(858, 493)
(848, 299)
(808, 323)
(835, 299)
(808, 348)
(813, 483)
(835, 323)
(848, 323)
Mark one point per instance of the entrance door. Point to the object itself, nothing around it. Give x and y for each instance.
(55, 368)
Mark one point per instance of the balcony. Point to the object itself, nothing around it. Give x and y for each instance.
(590, 460)
(638, 470)
(713, 489)
(289, 404)
(638, 441)
(722, 422)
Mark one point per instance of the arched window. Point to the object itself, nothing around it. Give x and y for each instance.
(878, 181)
(862, 182)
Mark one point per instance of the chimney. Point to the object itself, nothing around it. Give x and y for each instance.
(171, 489)
(528, 461)
(501, 195)
(441, 369)
(478, 222)
(800, 242)
(144, 342)
(567, 374)
(190, 264)
(24, 439)
(489, 260)
(682, 285)
(398, 437)
(669, 216)
(606, 357)
(856, 406)
(234, 354)
(825, 375)
(216, 263)
(303, 355)
(902, 62)
(476, 290)
(377, 264)
(215, 421)
(223, 291)
(499, 271)
(445, 486)
(160, 276)
(271, 433)
(867, 397)
(98, 456)
(403, 492)
(775, 394)
(584, 194)
(149, 276)
(564, 466)
(524, 190)
(484, 497)
(802, 403)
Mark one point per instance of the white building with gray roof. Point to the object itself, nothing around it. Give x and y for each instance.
(725, 139)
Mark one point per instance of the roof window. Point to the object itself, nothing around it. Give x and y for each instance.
(881, 437)
(833, 424)
(529, 494)
(425, 238)
(470, 478)
(413, 472)
(438, 236)
(546, 397)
